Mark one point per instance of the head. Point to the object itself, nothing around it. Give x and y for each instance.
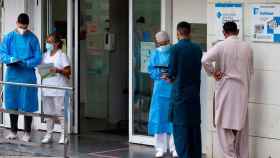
(22, 23)
(54, 42)
(140, 20)
(230, 29)
(162, 38)
(183, 30)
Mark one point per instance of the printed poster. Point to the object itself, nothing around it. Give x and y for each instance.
(146, 50)
(266, 22)
(228, 12)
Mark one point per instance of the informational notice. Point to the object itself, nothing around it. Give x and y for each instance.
(266, 22)
(146, 50)
(228, 12)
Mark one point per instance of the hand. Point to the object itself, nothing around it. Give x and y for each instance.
(15, 63)
(53, 70)
(164, 76)
(218, 75)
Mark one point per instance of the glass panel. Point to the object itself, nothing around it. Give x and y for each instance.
(146, 15)
(54, 19)
(1, 65)
(199, 35)
(94, 25)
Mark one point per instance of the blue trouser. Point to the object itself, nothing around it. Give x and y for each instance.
(187, 141)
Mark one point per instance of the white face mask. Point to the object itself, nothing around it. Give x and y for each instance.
(164, 48)
(21, 31)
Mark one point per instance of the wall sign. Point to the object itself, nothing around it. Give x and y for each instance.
(146, 50)
(228, 12)
(266, 22)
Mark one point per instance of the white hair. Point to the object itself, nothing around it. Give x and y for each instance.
(162, 36)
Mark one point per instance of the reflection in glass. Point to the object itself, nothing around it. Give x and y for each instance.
(146, 15)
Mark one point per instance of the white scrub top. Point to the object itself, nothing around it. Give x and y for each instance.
(60, 61)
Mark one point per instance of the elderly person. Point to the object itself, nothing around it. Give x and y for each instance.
(159, 125)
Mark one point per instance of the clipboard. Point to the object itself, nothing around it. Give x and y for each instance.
(43, 70)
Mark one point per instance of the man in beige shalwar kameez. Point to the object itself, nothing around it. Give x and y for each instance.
(232, 70)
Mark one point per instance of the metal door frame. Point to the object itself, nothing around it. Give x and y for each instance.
(73, 51)
(166, 24)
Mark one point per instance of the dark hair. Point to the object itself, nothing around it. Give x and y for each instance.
(230, 27)
(57, 39)
(184, 28)
(23, 18)
(141, 19)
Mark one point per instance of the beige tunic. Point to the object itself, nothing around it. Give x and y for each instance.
(233, 58)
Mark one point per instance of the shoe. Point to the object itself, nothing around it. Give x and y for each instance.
(61, 140)
(11, 136)
(174, 154)
(47, 138)
(26, 137)
(159, 154)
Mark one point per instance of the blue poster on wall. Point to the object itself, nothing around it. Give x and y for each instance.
(228, 12)
(266, 22)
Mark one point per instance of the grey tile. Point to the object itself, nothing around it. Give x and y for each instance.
(96, 145)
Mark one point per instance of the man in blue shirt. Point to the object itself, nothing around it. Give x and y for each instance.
(184, 73)
(20, 51)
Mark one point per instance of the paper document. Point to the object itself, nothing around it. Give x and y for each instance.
(44, 70)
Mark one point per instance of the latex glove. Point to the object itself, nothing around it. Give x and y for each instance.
(13, 61)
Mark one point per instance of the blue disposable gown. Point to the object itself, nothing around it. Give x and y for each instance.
(25, 48)
(158, 116)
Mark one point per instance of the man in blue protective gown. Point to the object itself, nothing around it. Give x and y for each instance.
(20, 51)
(184, 73)
(159, 125)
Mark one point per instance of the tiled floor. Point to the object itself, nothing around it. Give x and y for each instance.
(86, 146)
(97, 145)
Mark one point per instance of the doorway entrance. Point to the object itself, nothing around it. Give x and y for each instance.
(103, 59)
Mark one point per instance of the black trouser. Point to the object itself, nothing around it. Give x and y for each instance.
(14, 123)
(187, 141)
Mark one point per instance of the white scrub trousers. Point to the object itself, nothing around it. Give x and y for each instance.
(164, 142)
(54, 105)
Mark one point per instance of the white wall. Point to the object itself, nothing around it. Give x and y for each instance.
(192, 11)
(264, 98)
(12, 8)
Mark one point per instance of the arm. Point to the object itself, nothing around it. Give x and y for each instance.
(66, 71)
(154, 72)
(4, 51)
(208, 59)
(173, 64)
(36, 59)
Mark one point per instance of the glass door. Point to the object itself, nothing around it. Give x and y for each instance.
(62, 17)
(146, 18)
(53, 19)
(1, 65)
(96, 22)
